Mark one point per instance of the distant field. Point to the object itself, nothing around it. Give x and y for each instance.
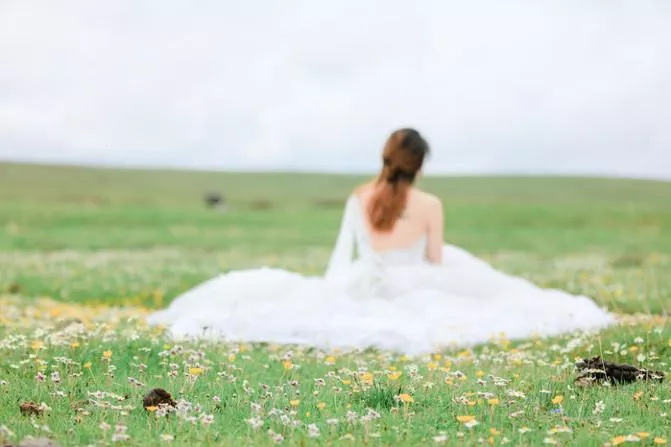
(74, 240)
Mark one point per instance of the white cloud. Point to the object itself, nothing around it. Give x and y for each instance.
(516, 86)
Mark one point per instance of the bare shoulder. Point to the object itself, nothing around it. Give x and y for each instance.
(363, 190)
(428, 200)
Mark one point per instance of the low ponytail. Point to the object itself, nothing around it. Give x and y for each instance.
(403, 157)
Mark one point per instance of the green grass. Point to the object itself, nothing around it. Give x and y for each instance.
(86, 239)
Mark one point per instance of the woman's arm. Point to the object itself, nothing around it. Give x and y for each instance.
(434, 249)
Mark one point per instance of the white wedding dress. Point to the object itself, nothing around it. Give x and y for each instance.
(392, 300)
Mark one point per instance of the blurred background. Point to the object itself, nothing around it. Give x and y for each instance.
(551, 87)
(148, 145)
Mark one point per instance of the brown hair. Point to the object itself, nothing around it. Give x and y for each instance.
(402, 158)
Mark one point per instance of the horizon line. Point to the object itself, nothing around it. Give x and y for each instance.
(316, 171)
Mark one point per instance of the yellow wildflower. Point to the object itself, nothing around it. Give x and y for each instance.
(618, 440)
(87, 365)
(321, 405)
(660, 441)
(465, 419)
(294, 403)
(195, 371)
(493, 401)
(288, 365)
(394, 375)
(366, 378)
(405, 398)
(557, 400)
(107, 355)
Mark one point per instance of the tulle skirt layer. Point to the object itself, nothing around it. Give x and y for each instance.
(413, 309)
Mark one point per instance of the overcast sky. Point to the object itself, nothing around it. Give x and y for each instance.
(496, 86)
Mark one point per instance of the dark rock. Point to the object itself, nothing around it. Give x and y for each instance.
(597, 370)
(30, 409)
(158, 397)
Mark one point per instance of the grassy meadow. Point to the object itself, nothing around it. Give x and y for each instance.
(85, 253)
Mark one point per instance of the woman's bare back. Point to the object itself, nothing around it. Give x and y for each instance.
(423, 216)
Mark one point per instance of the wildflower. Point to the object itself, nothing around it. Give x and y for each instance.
(313, 431)
(255, 422)
(599, 407)
(276, 437)
(206, 419)
(405, 398)
(294, 403)
(464, 419)
(195, 371)
(321, 405)
(493, 401)
(394, 375)
(660, 441)
(557, 400)
(107, 355)
(471, 424)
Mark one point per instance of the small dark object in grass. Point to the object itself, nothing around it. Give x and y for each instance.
(597, 370)
(30, 409)
(14, 288)
(261, 205)
(628, 260)
(214, 200)
(157, 397)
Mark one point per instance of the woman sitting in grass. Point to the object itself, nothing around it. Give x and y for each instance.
(403, 291)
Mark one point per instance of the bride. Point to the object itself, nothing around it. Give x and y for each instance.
(404, 291)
